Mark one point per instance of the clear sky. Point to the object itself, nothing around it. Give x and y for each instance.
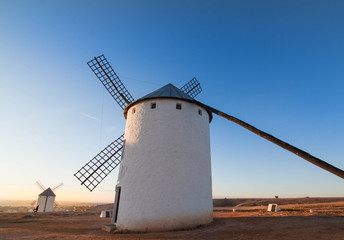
(277, 65)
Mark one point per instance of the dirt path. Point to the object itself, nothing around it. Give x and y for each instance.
(227, 225)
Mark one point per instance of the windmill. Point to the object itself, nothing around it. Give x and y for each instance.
(46, 199)
(164, 180)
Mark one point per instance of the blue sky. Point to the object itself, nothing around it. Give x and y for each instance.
(277, 65)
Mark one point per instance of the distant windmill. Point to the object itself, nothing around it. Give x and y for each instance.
(164, 181)
(46, 200)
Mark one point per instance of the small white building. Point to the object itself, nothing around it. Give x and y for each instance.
(105, 214)
(273, 207)
(46, 200)
(164, 181)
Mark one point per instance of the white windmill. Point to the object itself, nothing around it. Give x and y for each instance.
(164, 181)
(46, 199)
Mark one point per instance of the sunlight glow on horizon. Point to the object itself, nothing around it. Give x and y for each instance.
(276, 65)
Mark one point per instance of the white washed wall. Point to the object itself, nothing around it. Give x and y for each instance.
(45, 200)
(165, 173)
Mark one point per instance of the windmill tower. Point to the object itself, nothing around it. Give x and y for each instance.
(164, 181)
(165, 175)
(46, 200)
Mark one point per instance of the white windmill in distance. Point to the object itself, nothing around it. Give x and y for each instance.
(164, 181)
(46, 199)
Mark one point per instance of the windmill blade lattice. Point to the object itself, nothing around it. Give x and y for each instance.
(103, 70)
(101, 165)
(57, 186)
(192, 88)
(40, 185)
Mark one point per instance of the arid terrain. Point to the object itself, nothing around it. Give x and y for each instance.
(302, 218)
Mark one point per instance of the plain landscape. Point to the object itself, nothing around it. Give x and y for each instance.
(299, 218)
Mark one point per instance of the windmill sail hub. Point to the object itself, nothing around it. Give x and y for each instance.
(165, 174)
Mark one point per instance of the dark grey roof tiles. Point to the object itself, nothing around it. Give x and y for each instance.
(47, 192)
(167, 91)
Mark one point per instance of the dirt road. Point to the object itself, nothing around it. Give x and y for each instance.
(257, 225)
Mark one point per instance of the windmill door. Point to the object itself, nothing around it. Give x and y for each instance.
(116, 204)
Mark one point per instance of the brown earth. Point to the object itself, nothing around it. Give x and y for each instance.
(295, 221)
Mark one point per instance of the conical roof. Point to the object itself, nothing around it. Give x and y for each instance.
(167, 91)
(47, 192)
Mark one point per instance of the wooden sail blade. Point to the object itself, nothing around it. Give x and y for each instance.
(57, 186)
(316, 161)
(107, 76)
(94, 172)
(40, 185)
(192, 88)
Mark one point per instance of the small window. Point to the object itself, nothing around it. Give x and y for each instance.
(133, 111)
(178, 106)
(153, 105)
(199, 112)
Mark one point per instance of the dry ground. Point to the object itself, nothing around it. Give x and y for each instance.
(249, 222)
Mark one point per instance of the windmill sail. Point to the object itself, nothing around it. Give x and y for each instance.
(40, 185)
(316, 161)
(101, 165)
(103, 70)
(57, 186)
(192, 88)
